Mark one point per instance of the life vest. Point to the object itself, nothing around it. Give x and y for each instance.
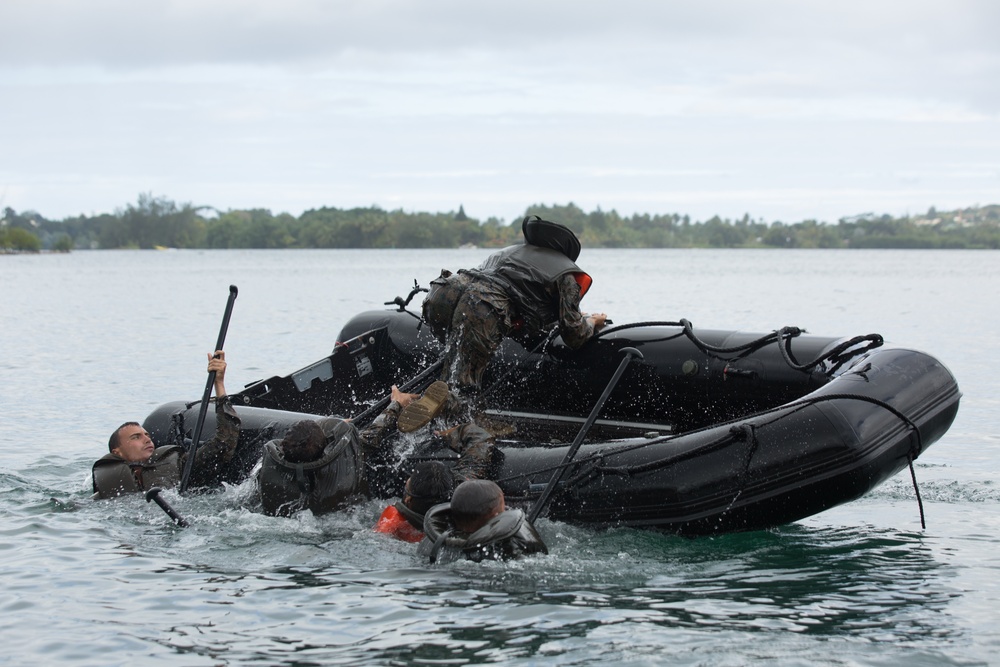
(324, 485)
(528, 274)
(442, 297)
(394, 522)
(113, 476)
(507, 535)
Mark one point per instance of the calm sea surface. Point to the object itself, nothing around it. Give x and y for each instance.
(90, 339)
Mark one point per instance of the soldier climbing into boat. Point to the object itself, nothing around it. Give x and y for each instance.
(134, 463)
(519, 292)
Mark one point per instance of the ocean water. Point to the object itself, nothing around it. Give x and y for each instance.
(91, 339)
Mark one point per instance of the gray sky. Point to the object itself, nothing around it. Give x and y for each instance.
(784, 110)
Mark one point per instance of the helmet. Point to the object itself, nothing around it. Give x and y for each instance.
(551, 235)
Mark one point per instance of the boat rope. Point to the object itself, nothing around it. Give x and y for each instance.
(794, 407)
(653, 465)
(837, 355)
(628, 470)
(773, 337)
(783, 337)
(688, 330)
(747, 433)
(915, 451)
(402, 303)
(916, 489)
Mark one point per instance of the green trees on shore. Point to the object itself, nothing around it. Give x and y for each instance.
(20, 240)
(159, 222)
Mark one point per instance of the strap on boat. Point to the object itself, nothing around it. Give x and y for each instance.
(747, 433)
(916, 489)
(743, 433)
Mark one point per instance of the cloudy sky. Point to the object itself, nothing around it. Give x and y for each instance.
(784, 110)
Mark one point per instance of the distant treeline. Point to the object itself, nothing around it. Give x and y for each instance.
(159, 222)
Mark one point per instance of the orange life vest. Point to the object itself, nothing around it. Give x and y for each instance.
(395, 524)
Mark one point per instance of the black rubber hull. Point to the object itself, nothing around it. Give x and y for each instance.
(707, 441)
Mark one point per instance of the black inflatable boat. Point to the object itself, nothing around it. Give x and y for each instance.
(711, 431)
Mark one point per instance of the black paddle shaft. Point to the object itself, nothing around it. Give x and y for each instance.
(416, 382)
(154, 494)
(536, 509)
(189, 463)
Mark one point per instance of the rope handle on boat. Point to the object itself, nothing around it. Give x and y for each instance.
(783, 337)
(688, 328)
(837, 355)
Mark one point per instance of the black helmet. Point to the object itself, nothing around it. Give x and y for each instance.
(551, 235)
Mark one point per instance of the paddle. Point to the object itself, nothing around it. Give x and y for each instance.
(189, 463)
(154, 494)
(407, 387)
(630, 353)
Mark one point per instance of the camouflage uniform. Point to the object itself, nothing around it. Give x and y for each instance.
(474, 445)
(472, 315)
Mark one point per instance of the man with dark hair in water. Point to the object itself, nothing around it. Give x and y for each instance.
(477, 525)
(430, 484)
(304, 442)
(474, 503)
(134, 463)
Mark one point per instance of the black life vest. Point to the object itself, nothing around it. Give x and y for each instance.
(332, 481)
(507, 535)
(528, 274)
